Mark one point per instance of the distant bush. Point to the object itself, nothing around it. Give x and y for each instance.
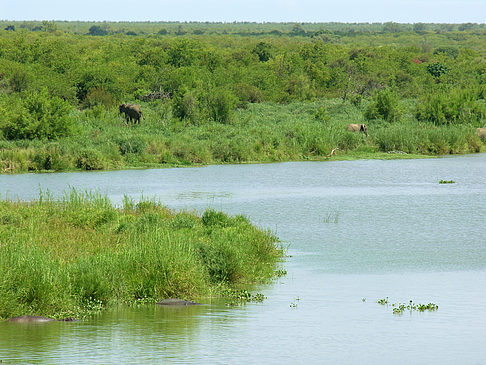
(221, 105)
(51, 157)
(97, 30)
(98, 96)
(437, 69)
(451, 107)
(263, 51)
(186, 107)
(385, 105)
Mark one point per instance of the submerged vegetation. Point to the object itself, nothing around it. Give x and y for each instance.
(233, 93)
(70, 257)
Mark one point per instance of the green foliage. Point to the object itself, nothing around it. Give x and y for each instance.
(90, 159)
(385, 105)
(234, 92)
(83, 255)
(221, 105)
(186, 107)
(263, 51)
(437, 69)
(214, 218)
(452, 52)
(36, 115)
(399, 308)
(97, 30)
(456, 106)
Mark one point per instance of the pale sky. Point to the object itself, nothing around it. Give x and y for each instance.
(402, 11)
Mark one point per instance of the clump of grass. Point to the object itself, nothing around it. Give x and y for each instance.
(236, 297)
(80, 254)
(399, 308)
(331, 217)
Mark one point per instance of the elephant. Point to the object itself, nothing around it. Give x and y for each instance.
(37, 319)
(131, 111)
(358, 128)
(176, 302)
(481, 133)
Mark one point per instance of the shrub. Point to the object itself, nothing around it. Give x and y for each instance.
(186, 106)
(451, 107)
(98, 96)
(221, 105)
(51, 157)
(263, 51)
(90, 159)
(437, 69)
(132, 144)
(35, 116)
(385, 105)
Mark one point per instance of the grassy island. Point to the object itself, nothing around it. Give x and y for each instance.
(70, 257)
(215, 93)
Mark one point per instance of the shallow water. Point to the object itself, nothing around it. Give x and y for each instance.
(360, 230)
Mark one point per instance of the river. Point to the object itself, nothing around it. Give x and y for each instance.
(356, 232)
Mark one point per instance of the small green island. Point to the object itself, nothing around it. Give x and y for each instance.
(74, 256)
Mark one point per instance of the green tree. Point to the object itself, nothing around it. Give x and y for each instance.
(97, 30)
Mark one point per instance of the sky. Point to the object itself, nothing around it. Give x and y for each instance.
(349, 11)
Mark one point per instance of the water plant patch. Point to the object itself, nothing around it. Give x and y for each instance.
(399, 308)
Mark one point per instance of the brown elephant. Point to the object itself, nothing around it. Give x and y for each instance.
(131, 111)
(358, 128)
(481, 133)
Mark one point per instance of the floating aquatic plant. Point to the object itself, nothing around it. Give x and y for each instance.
(399, 308)
(447, 182)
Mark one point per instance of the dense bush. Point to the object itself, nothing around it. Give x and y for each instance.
(268, 94)
(455, 106)
(385, 105)
(35, 115)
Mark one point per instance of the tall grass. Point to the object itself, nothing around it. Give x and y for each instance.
(260, 133)
(68, 257)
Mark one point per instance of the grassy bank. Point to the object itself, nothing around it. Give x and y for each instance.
(70, 257)
(259, 133)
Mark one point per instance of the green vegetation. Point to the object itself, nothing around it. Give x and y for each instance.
(70, 257)
(235, 93)
(447, 182)
(399, 308)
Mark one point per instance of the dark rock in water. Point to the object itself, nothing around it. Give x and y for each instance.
(177, 302)
(68, 319)
(37, 319)
(30, 319)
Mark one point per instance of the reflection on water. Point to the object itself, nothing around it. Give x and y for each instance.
(355, 230)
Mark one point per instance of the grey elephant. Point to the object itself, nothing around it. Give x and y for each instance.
(358, 128)
(481, 133)
(131, 111)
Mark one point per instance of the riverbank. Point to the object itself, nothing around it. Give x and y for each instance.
(259, 133)
(74, 256)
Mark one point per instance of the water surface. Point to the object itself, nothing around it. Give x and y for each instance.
(359, 230)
